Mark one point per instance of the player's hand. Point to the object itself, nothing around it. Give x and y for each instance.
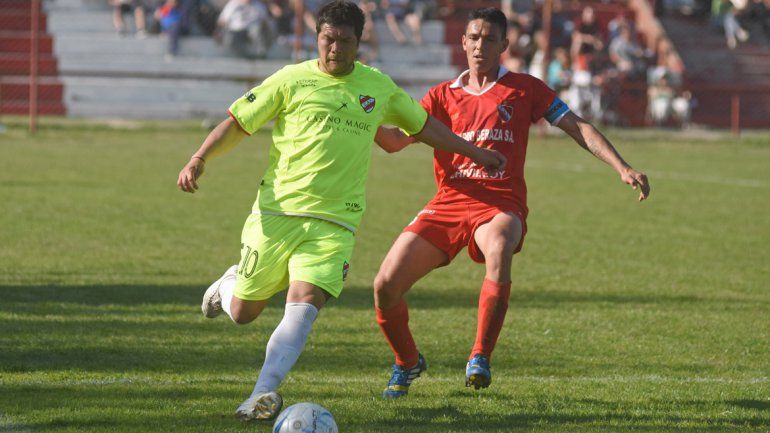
(492, 160)
(637, 180)
(188, 177)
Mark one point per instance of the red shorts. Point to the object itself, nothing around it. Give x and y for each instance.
(449, 221)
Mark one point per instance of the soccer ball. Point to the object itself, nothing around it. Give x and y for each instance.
(305, 418)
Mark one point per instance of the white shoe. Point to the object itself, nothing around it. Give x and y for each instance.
(212, 300)
(261, 407)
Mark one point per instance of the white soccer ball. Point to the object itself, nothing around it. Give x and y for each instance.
(305, 418)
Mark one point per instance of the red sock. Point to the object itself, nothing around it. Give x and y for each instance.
(493, 304)
(394, 323)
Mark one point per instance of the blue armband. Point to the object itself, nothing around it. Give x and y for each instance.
(556, 111)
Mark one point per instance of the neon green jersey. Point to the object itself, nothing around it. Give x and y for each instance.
(322, 138)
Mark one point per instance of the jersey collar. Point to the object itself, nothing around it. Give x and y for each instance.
(458, 83)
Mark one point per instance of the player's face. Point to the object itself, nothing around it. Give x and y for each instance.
(483, 43)
(337, 49)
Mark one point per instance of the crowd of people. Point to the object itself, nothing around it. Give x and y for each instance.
(248, 28)
(588, 62)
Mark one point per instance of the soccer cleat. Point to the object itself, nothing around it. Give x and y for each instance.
(477, 372)
(398, 386)
(262, 407)
(212, 300)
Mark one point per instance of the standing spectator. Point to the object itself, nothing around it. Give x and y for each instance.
(537, 64)
(586, 39)
(120, 7)
(247, 28)
(403, 10)
(170, 17)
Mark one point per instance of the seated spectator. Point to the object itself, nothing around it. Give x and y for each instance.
(518, 49)
(617, 24)
(626, 54)
(170, 18)
(120, 7)
(246, 28)
(369, 51)
(559, 75)
(724, 15)
(666, 104)
(408, 11)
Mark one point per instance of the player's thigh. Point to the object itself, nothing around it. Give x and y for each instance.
(267, 243)
(500, 236)
(323, 257)
(410, 258)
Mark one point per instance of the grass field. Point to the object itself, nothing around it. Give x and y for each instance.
(624, 316)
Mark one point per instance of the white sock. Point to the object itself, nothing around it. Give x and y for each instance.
(285, 346)
(226, 292)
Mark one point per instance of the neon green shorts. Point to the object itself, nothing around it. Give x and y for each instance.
(276, 249)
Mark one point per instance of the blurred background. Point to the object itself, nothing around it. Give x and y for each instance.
(626, 63)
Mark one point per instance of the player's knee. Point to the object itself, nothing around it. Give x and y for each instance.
(385, 288)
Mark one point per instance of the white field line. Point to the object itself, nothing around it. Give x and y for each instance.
(140, 380)
(685, 177)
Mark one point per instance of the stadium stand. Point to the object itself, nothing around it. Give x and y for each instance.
(108, 75)
(89, 70)
(15, 40)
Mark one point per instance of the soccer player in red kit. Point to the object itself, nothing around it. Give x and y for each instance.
(483, 210)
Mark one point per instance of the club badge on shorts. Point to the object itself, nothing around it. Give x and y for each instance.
(367, 102)
(345, 268)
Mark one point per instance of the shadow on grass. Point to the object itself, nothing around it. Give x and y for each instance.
(355, 297)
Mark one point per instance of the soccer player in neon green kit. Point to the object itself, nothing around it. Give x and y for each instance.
(310, 202)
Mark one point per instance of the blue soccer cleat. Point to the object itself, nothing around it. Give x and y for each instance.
(398, 386)
(477, 372)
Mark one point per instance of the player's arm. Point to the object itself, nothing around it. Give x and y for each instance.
(436, 135)
(221, 139)
(590, 139)
(392, 139)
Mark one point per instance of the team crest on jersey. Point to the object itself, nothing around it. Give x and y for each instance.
(345, 268)
(367, 102)
(505, 110)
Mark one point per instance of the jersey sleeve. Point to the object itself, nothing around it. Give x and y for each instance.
(546, 104)
(431, 102)
(261, 103)
(405, 112)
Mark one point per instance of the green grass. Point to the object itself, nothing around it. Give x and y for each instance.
(624, 316)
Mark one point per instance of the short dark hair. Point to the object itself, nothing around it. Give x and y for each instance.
(341, 13)
(491, 15)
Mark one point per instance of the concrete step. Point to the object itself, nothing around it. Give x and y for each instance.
(77, 20)
(223, 68)
(158, 90)
(110, 43)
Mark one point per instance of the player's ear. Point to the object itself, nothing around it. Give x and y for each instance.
(504, 45)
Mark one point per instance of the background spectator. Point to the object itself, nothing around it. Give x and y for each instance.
(170, 18)
(247, 28)
(626, 54)
(121, 7)
(406, 11)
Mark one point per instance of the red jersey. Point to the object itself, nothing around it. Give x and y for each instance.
(497, 118)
